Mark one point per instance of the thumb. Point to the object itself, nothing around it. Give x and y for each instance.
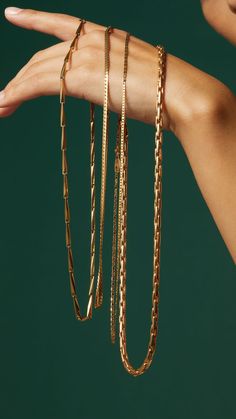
(60, 25)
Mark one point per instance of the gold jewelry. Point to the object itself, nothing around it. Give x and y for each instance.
(118, 277)
(157, 228)
(114, 268)
(99, 289)
(121, 147)
(66, 190)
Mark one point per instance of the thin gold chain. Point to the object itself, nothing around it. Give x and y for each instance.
(99, 289)
(114, 298)
(157, 233)
(122, 139)
(66, 190)
(114, 274)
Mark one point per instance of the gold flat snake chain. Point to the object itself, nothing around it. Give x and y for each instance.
(66, 190)
(157, 233)
(121, 147)
(99, 289)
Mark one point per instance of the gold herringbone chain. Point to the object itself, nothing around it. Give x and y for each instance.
(157, 233)
(66, 190)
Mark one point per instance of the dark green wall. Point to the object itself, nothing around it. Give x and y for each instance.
(53, 367)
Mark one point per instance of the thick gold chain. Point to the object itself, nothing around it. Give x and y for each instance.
(157, 233)
(99, 289)
(66, 190)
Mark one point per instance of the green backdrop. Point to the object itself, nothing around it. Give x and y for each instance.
(53, 367)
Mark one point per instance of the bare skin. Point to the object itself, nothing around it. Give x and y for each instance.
(199, 109)
(221, 15)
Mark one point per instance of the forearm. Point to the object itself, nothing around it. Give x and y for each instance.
(202, 115)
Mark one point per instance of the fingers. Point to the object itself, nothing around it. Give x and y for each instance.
(44, 84)
(41, 75)
(38, 85)
(48, 62)
(60, 25)
(4, 112)
(55, 50)
(93, 40)
(32, 67)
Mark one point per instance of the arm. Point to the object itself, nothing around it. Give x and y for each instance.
(205, 124)
(198, 109)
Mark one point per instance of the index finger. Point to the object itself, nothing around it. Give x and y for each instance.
(60, 25)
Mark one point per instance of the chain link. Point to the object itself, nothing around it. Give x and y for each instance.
(114, 267)
(66, 190)
(157, 233)
(119, 244)
(122, 139)
(99, 289)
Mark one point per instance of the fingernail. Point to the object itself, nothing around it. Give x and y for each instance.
(12, 10)
(2, 95)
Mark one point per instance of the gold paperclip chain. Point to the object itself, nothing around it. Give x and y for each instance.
(157, 232)
(99, 289)
(66, 190)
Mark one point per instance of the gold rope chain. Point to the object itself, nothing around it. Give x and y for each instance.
(157, 232)
(78, 315)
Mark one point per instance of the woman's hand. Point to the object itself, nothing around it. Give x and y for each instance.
(199, 109)
(41, 75)
(188, 90)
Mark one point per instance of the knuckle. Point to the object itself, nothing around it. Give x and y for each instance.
(88, 54)
(32, 16)
(119, 32)
(36, 56)
(10, 93)
(30, 12)
(96, 36)
(85, 72)
(8, 86)
(30, 69)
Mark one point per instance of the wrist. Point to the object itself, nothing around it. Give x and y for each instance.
(192, 96)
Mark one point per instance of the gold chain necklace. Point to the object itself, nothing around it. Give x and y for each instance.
(74, 295)
(118, 276)
(121, 148)
(99, 289)
(115, 258)
(157, 229)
